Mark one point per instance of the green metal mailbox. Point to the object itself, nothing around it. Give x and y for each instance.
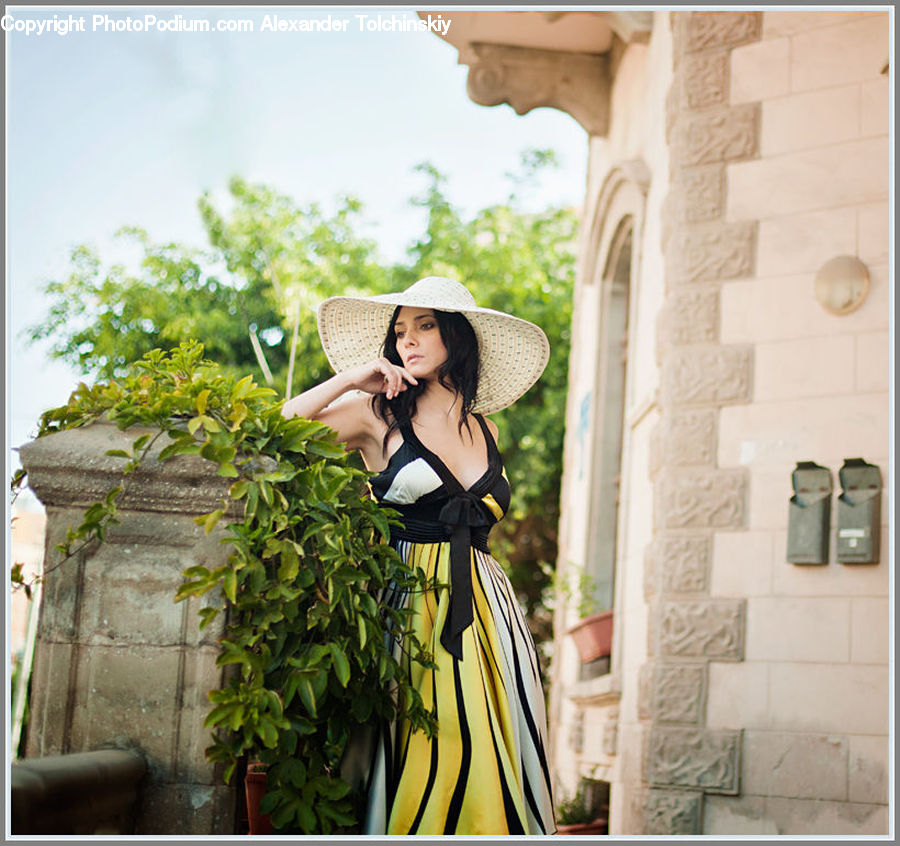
(809, 514)
(859, 513)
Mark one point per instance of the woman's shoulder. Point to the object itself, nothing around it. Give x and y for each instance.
(492, 426)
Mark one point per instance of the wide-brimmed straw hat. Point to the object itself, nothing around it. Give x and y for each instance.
(512, 352)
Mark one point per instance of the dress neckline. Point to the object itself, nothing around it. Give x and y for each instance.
(446, 475)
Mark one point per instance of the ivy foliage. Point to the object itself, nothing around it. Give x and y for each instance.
(307, 643)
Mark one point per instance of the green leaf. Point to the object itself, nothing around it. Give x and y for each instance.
(239, 489)
(334, 789)
(340, 663)
(325, 449)
(290, 563)
(210, 520)
(202, 399)
(229, 585)
(306, 818)
(242, 388)
(226, 468)
(207, 615)
(307, 696)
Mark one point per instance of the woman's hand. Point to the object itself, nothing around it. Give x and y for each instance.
(379, 376)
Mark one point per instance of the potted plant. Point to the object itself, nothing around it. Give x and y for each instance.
(577, 816)
(593, 636)
(254, 789)
(592, 633)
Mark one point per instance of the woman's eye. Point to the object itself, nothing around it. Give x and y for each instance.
(427, 326)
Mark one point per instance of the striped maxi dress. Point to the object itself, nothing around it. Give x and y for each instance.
(486, 770)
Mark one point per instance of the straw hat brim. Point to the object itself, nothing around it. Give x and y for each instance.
(512, 352)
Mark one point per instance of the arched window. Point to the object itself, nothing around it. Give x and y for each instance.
(612, 323)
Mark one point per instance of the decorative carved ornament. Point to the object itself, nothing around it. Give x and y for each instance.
(689, 317)
(721, 29)
(701, 191)
(713, 252)
(705, 760)
(678, 693)
(723, 136)
(708, 628)
(713, 375)
(684, 567)
(706, 80)
(526, 78)
(673, 812)
(677, 565)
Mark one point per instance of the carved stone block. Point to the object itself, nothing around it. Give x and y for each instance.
(701, 192)
(706, 80)
(652, 629)
(705, 760)
(721, 29)
(673, 812)
(684, 564)
(646, 675)
(688, 317)
(576, 732)
(524, 77)
(688, 438)
(701, 499)
(713, 375)
(708, 628)
(714, 252)
(679, 693)
(722, 136)
(650, 571)
(611, 732)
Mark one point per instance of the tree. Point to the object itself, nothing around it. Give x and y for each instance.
(269, 261)
(266, 265)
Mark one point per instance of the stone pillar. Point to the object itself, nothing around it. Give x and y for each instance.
(694, 497)
(118, 664)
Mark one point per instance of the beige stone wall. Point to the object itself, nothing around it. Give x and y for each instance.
(747, 695)
(811, 694)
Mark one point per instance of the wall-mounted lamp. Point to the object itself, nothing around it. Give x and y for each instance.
(841, 285)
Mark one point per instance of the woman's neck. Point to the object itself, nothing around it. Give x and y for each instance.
(439, 401)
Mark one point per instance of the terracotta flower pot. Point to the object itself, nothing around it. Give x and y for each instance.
(598, 826)
(593, 636)
(255, 789)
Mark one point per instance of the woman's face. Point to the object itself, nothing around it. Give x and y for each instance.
(419, 342)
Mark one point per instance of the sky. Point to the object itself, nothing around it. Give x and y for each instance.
(112, 126)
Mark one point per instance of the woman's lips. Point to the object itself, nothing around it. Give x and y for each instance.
(413, 359)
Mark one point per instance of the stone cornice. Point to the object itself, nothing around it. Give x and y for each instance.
(71, 469)
(527, 78)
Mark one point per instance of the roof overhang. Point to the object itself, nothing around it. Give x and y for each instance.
(529, 59)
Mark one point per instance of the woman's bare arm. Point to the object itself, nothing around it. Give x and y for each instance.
(353, 420)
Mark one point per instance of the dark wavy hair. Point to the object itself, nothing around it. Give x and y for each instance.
(459, 373)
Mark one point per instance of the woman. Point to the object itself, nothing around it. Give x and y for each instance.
(445, 363)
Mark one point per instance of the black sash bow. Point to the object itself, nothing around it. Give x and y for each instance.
(463, 512)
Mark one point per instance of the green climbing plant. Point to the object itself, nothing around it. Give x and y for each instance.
(302, 628)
